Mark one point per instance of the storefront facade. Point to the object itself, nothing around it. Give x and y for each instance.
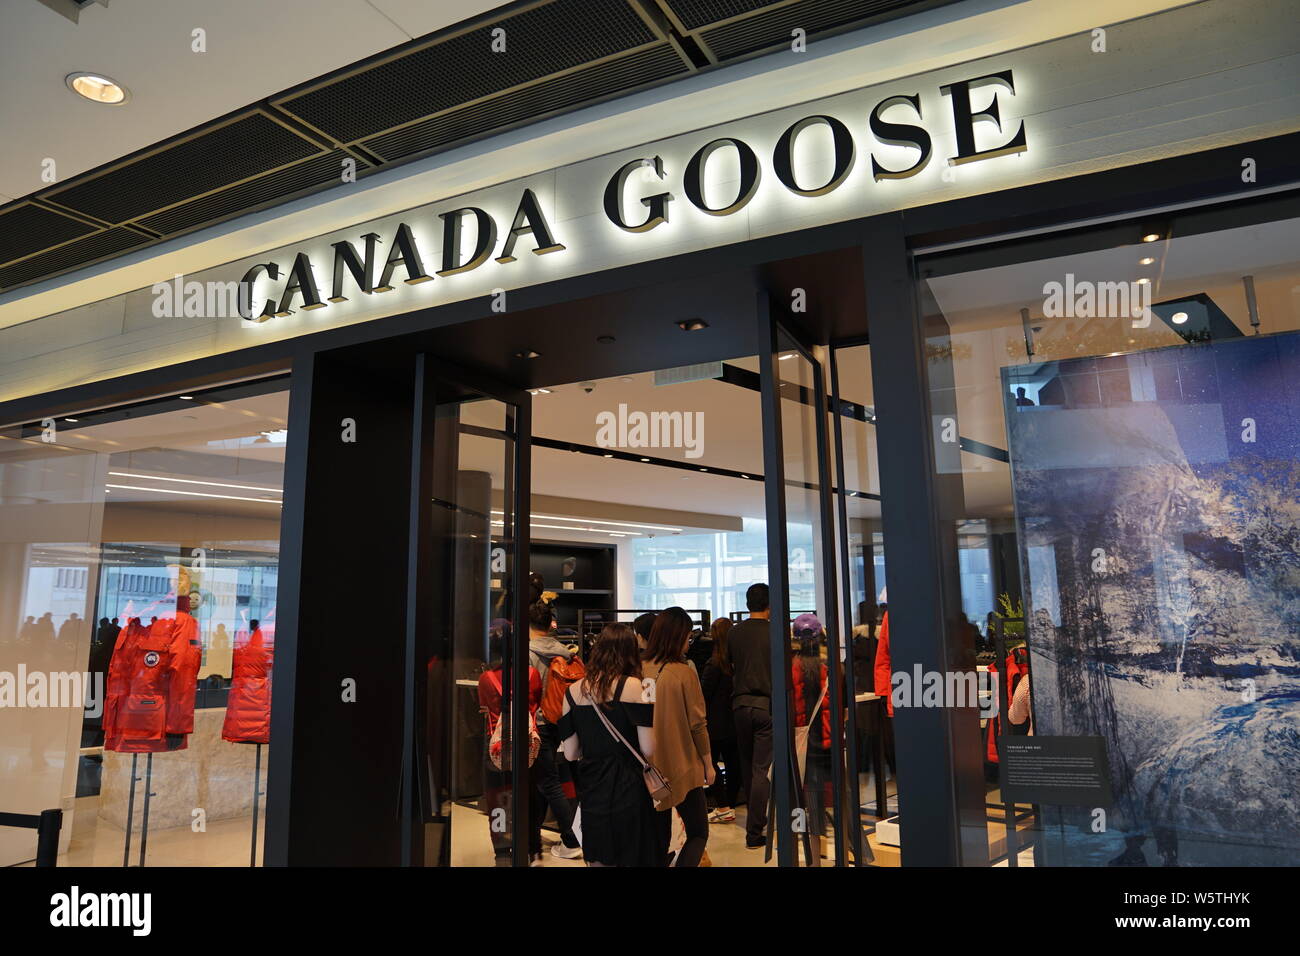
(950, 238)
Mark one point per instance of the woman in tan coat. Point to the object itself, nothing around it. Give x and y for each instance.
(681, 736)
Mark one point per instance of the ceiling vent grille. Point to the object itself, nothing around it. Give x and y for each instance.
(219, 157)
(81, 252)
(314, 173)
(540, 42)
(27, 228)
(572, 89)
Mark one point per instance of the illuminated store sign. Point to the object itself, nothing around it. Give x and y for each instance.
(287, 283)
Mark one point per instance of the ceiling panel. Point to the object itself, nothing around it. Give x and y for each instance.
(392, 104)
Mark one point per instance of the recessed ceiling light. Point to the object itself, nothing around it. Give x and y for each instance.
(645, 459)
(1143, 281)
(609, 456)
(527, 354)
(187, 398)
(1151, 237)
(1178, 318)
(97, 88)
(69, 419)
(1146, 261)
(692, 325)
(539, 391)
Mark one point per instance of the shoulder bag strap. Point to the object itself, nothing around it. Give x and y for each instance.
(595, 705)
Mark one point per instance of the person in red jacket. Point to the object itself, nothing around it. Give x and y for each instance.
(812, 709)
(496, 783)
(152, 678)
(248, 708)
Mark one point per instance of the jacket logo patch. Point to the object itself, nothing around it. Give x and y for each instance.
(151, 659)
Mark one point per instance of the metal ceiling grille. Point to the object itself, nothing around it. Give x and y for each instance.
(320, 171)
(614, 76)
(539, 42)
(106, 243)
(247, 147)
(26, 228)
(428, 95)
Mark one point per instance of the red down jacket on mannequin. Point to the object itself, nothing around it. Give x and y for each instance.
(1017, 668)
(151, 683)
(248, 709)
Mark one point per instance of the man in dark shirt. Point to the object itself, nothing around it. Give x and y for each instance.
(750, 644)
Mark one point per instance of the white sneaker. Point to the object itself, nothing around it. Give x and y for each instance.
(562, 852)
(721, 815)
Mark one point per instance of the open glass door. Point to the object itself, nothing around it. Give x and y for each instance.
(467, 623)
(807, 664)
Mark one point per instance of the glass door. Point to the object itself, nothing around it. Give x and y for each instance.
(466, 804)
(808, 706)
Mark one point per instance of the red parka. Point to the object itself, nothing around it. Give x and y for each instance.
(248, 708)
(883, 669)
(152, 678)
(1017, 668)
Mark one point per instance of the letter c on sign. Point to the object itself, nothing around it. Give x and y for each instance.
(694, 179)
(246, 292)
(783, 156)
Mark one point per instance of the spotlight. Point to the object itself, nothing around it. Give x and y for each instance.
(1178, 318)
(1151, 237)
(692, 325)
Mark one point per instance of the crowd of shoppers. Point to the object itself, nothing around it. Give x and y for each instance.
(652, 731)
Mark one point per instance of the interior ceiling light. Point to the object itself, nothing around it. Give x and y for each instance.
(624, 524)
(187, 398)
(1143, 281)
(528, 354)
(539, 391)
(1146, 260)
(1178, 318)
(192, 481)
(1151, 237)
(692, 325)
(97, 88)
(195, 494)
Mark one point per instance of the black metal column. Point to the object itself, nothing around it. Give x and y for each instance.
(941, 798)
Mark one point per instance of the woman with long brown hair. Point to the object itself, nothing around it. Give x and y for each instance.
(619, 824)
(681, 732)
(715, 681)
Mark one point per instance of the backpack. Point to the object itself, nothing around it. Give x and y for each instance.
(494, 741)
(561, 674)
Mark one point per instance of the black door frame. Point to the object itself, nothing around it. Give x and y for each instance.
(886, 242)
(437, 382)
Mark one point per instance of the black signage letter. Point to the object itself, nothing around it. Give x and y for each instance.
(783, 156)
(529, 219)
(303, 282)
(694, 179)
(899, 134)
(362, 273)
(246, 292)
(406, 255)
(657, 204)
(483, 243)
(964, 120)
